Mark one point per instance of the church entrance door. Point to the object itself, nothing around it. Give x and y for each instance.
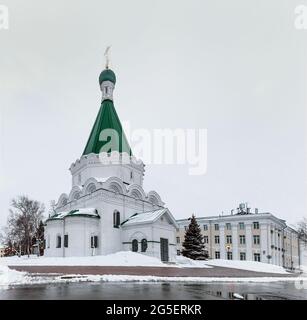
(164, 249)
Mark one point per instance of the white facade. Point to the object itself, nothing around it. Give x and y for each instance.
(98, 215)
(247, 236)
(109, 197)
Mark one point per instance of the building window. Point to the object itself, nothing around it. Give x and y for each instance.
(217, 239)
(48, 241)
(131, 175)
(256, 239)
(256, 225)
(185, 228)
(205, 227)
(241, 225)
(135, 245)
(257, 257)
(178, 252)
(178, 239)
(242, 256)
(217, 255)
(65, 240)
(144, 245)
(206, 239)
(58, 241)
(229, 255)
(228, 239)
(216, 227)
(94, 241)
(116, 219)
(228, 226)
(242, 239)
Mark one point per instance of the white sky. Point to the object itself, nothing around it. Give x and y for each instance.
(237, 68)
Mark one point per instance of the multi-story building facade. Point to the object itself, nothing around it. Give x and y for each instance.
(247, 235)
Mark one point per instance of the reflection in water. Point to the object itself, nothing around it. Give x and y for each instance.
(171, 291)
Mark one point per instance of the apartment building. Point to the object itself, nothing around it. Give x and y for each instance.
(247, 235)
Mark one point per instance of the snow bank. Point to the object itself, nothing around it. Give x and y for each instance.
(303, 268)
(133, 278)
(189, 263)
(8, 277)
(122, 258)
(247, 265)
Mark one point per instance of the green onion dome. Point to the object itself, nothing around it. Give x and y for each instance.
(107, 75)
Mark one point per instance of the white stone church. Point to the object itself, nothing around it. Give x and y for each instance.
(107, 209)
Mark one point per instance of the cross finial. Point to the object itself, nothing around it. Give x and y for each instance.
(106, 54)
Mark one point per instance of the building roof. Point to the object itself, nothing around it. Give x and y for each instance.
(148, 217)
(107, 118)
(237, 217)
(83, 212)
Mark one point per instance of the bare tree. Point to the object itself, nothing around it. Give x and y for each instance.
(23, 223)
(302, 229)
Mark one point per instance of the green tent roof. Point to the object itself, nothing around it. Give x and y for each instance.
(107, 118)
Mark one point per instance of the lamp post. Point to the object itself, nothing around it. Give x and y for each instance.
(228, 250)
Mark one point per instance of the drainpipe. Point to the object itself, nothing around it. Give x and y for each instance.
(211, 240)
(62, 242)
(299, 251)
(283, 247)
(291, 264)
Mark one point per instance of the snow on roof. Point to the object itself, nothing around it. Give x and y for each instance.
(91, 212)
(102, 179)
(145, 217)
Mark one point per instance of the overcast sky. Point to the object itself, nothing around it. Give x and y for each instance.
(237, 68)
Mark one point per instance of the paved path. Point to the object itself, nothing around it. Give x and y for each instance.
(148, 271)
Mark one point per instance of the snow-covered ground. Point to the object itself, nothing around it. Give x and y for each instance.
(128, 258)
(189, 263)
(126, 278)
(8, 276)
(304, 269)
(123, 258)
(247, 265)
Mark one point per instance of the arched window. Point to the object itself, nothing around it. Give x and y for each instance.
(116, 219)
(144, 245)
(135, 245)
(58, 241)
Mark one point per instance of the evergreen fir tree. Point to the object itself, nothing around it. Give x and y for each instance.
(193, 244)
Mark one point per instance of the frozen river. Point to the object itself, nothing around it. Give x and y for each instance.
(141, 290)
